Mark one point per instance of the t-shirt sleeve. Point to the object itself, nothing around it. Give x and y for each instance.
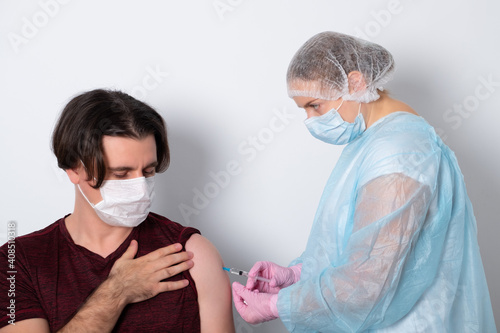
(19, 300)
(185, 234)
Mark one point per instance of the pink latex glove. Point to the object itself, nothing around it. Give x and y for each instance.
(281, 277)
(253, 306)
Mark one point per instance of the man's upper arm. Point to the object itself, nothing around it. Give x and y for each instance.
(38, 325)
(212, 285)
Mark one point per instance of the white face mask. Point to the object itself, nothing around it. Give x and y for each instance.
(125, 203)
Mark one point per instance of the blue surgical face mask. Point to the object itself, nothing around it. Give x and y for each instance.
(331, 128)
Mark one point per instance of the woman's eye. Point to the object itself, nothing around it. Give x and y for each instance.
(315, 106)
(120, 175)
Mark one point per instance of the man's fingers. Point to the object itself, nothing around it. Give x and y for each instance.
(163, 251)
(172, 285)
(171, 260)
(131, 250)
(165, 272)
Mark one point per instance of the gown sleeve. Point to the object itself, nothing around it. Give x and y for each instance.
(384, 268)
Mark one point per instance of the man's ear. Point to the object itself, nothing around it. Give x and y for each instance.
(356, 82)
(76, 174)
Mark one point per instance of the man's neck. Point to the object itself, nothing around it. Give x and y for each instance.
(87, 230)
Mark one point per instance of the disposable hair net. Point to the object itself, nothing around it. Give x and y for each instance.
(320, 68)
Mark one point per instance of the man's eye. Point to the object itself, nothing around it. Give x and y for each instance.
(315, 106)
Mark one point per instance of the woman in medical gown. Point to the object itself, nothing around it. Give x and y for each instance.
(393, 246)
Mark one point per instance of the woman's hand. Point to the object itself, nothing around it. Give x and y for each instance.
(253, 306)
(281, 277)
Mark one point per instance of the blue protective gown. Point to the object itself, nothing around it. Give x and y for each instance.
(393, 247)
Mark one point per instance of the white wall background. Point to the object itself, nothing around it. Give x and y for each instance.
(216, 72)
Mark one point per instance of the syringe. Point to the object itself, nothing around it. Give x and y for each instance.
(240, 272)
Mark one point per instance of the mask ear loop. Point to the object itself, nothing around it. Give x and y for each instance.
(338, 108)
(90, 203)
(95, 179)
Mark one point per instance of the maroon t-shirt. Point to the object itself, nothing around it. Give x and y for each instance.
(53, 277)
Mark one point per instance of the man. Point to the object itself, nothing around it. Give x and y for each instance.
(112, 265)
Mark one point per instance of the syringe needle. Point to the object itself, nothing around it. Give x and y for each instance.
(244, 273)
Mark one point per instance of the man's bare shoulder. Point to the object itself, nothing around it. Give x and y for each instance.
(212, 285)
(206, 256)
